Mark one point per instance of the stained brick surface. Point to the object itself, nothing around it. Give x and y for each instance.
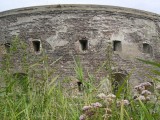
(59, 28)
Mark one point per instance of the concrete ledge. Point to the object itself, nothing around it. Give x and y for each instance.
(64, 7)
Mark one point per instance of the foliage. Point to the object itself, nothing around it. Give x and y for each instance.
(37, 94)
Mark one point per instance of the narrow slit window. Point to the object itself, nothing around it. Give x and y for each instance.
(84, 44)
(146, 48)
(36, 46)
(80, 86)
(117, 46)
(7, 47)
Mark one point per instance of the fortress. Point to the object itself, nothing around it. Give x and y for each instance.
(86, 31)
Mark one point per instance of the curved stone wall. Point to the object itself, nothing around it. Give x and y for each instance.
(87, 31)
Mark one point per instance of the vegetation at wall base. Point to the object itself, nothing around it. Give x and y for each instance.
(41, 96)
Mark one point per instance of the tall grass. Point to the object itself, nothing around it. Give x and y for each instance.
(35, 94)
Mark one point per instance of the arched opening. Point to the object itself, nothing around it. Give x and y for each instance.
(84, 44)
(21, 82)
(20, 76)
(118, 80)
(147, 48)
(7, 47)
(36, 45)
(80, 86)
(117, 46)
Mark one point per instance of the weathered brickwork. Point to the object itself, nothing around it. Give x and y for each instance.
(86, 31)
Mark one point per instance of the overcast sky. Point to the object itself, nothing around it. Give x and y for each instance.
(147, 5)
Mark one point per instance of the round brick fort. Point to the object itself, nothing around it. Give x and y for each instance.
(95, 34)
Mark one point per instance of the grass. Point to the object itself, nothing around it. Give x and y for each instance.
(40, 96)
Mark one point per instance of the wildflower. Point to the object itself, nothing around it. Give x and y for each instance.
(135, 96)
(139, 88)
(125, 102)
(96, 105)
(141, 97)
(146, 84)
(85, 108)
(108, 114)
(90, 113)
(145, 93)
(148, 98)
(101, 96)
(108, 111)
(112, 96)
(109, 101)
(82, 117)
(136, 87)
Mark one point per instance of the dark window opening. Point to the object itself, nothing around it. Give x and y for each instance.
(84, 44)
(80, 86)
(36, 46)
(146, 48)
(117, 46)
(7, 47)
(21, 82)
(118, 81)
(20, 76)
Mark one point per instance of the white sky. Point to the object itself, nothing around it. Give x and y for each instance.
(147, 5)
